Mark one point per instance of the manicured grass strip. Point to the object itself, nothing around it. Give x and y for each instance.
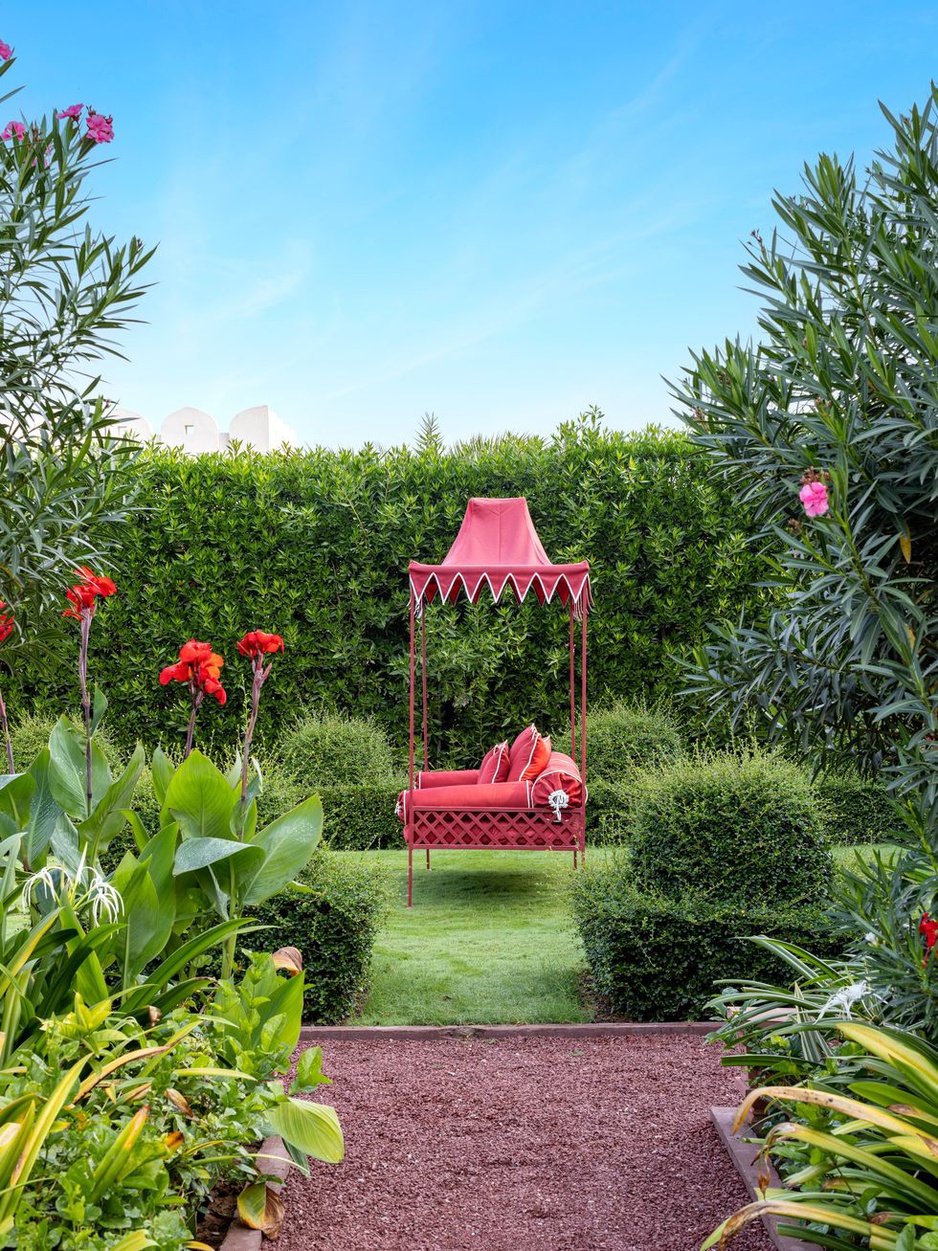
(489, 940)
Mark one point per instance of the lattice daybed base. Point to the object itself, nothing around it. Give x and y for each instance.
(505, 829)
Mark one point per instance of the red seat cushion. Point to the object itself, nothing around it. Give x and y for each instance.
(529, 755)
(460, 798)
(495, 764)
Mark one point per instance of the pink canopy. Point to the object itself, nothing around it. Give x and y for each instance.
(497, 545)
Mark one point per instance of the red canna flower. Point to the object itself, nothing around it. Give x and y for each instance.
(7, 621)
(83, 595)
(929, 928)
(257, 643)
(200, 667)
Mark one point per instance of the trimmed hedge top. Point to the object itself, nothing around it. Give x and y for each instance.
(626, 736)
(741, 830)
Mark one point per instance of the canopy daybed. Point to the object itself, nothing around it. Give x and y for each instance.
(531, 798)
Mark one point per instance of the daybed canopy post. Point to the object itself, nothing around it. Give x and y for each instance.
(572, 689)
(409, 814)
(583, 700)
(423, 669)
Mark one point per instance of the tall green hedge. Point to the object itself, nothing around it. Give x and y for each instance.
(315, 545)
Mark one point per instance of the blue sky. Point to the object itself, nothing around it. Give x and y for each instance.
(499, 212)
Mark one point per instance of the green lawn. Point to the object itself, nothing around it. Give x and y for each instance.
(489, 940)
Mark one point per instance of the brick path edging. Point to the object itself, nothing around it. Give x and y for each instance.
(418, 1033)
(272, 1158)
(743, 1155)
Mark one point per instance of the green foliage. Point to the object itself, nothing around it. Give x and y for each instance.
(841, 385)
(66, 291)
(856, 1149)
(318, 542)
(656, 959)
(856, 810)
(623, 737)
(740, 831)
(333, 750)
(333, 922)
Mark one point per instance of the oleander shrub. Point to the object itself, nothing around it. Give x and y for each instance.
(856, 810)
(653, 958)
(333, 921)
(334, 750)
(742, 830)
(627, 736)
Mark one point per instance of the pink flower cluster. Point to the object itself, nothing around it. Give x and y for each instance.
(813, 493)
(100, 128)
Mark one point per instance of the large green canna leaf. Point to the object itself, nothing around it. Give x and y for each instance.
(161, 771)
(200, 799)
(44, 812)
(108, 818)
(289, 843)
(199, 853)
(311, 1127)
(67, 770)
(16, 796)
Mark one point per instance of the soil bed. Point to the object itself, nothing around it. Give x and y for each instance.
(522, 1144)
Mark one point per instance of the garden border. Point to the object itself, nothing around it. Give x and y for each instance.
(240, 1237)
(417, 1033)
(740, 1152)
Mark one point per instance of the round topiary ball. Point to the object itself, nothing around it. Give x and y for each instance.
(332, 750)
(624, 737)
(730, 829)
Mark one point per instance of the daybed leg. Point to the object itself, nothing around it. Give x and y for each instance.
(428, 859)
(410, 875)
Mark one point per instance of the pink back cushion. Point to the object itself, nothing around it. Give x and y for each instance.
(495, 765)
(529, 755)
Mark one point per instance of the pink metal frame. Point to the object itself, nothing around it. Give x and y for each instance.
(516, 829)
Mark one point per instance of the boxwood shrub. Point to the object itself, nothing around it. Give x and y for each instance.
(332, 750)
(656, 959)
(333, 923)
(738, 831)
(855, 810)
(627, 736)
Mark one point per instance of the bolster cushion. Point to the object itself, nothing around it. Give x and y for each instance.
(560, 775)
(443, 777)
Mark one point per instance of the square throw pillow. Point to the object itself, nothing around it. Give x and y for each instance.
(495, 765)
(529, 755)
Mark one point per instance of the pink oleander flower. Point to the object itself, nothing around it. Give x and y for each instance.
(814, 497)
(5, 51)
(100, 128)
(73, 110)
(14, 130)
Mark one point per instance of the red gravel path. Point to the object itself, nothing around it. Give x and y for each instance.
(522, 1144)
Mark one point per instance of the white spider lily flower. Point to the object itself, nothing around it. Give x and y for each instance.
(844, 999)
(42, 878)
(104, 899)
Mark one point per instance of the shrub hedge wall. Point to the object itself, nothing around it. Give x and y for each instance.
(315, 545)
(657, 959)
